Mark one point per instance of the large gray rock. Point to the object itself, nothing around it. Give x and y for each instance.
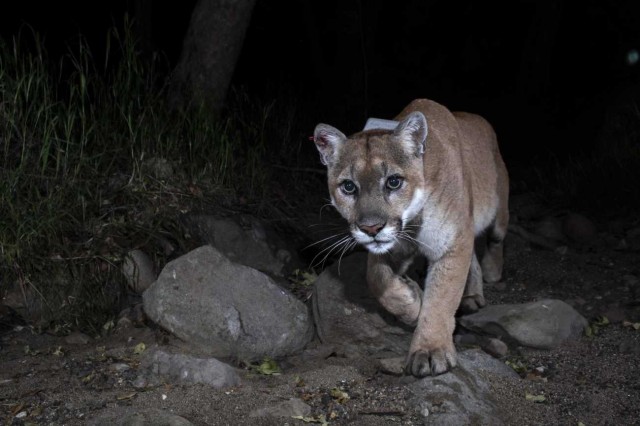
(187, 369)
(462, 396)
(226, 309)
(250, 243)
(345, 312)
(543, 324)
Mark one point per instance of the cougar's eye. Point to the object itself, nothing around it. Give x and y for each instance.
(348, 187)
(394, 182)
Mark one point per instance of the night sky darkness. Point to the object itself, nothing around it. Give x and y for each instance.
(546, 74)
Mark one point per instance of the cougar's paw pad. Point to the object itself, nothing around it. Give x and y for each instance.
(422, 364)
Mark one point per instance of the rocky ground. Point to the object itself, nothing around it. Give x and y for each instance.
(592, 380)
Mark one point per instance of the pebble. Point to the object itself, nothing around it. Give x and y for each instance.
(495, 347)
(119, 367)
(393, 366)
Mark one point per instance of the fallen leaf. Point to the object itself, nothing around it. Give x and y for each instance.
(339, 395)
(601, 321)
(108, 325)
(517, 366)
(299, 381)
(594, 326)
(139, 348)
(29, 351)
(303, 278)
(89, 377)
(535, 398)
(16, 409)
(268, 367)
(126, 396)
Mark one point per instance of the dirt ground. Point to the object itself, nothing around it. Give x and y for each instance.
(46, 379)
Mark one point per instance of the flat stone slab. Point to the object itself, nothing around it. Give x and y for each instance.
(543, 324)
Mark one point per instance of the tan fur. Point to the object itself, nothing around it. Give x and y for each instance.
(453, 187)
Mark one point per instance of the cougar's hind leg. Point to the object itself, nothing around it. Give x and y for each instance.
(473, 297)
(492, 260)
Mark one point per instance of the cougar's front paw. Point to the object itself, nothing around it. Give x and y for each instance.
(426, 360)
(472, 303)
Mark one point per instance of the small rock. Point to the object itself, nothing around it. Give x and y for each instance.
(494, 347)
(140, 382)
(131, 316)
(123, 324)
(119, 367)
(139, 270)
(393, 366)
(77, 338)
(424, 410)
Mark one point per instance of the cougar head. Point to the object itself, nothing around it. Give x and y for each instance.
(376, 179)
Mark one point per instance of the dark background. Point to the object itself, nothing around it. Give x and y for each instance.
(547, 74)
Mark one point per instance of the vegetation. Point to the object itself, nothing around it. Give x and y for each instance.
(93, 163)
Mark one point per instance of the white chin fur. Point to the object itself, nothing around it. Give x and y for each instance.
(379, 248)
(372, 244)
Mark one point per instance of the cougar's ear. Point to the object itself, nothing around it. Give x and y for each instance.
(412, 132)
(328, 140)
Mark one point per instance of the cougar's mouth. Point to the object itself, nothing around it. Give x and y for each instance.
(378, 244)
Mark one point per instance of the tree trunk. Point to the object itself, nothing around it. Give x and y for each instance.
(210, 51)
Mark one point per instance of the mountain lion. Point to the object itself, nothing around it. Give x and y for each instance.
(427, 187)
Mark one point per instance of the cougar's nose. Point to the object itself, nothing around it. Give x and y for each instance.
(371, 230)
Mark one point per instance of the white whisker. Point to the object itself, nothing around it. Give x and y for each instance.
(406, 237)
(324, 239)
(330, 249)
